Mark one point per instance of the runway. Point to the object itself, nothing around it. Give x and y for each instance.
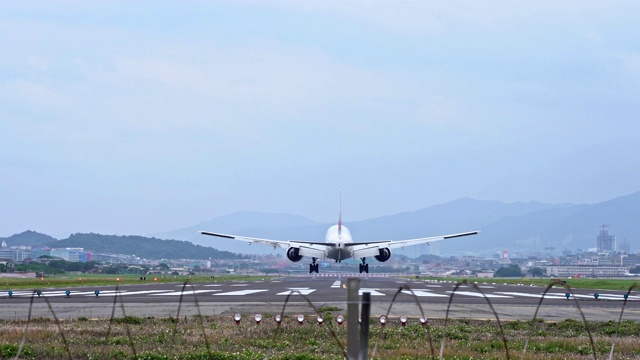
(511, 302)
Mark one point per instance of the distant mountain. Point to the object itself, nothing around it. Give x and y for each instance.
(566, 228)
(143, 247)
(28, 238)
(521, 227)
(247, 223)
(516, 227)
(455, 216)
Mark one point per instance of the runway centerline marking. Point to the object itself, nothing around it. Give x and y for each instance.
(423, 293)
(336, 284)
(186, 292)
(297, 291)
(476, 294)
(373, 292)
(240, 292)
(124, 293)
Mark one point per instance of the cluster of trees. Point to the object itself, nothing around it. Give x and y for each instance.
(141, 246)
(515, 271)
(57, 267)
(509, 271)
(144, 247)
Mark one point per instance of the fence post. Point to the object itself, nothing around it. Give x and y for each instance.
(364, 325)
(353, 315)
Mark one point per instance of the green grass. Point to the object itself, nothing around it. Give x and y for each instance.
(154, 338)
(61, 281)
(581, 283)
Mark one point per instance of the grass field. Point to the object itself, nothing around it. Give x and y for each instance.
(59, 281)
(220, 338)
(580, 283)
(101, 280)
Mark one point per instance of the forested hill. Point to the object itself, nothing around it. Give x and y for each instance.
(28, 237)
(143, 247)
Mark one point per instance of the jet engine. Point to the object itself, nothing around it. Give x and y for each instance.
(294, 254)
(385, 254)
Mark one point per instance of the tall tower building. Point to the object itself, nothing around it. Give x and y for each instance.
(625, 247)
(606, 242)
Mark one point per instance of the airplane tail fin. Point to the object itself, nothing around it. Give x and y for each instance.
(340, 215)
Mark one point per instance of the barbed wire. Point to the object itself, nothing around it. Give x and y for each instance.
(330, 327)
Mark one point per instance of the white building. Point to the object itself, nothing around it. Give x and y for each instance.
(587, 271)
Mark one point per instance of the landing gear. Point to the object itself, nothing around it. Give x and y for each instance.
(313, 267)
(364, 267)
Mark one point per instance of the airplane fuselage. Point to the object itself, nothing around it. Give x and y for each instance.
(338, 235)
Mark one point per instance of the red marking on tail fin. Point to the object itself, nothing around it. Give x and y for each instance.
(340, 215)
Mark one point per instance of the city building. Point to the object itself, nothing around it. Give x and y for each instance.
(625, 246)
(587, 271)
(605, 242)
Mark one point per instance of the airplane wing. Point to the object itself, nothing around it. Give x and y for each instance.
(307, 248)
(372, 248)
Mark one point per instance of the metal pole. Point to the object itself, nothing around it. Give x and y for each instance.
(364, 325)
(353, 315)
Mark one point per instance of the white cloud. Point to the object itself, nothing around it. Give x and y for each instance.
(37, 63)
(631, 62)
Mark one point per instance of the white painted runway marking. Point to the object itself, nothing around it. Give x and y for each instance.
(186, 292)
(621, 296)
(471, 293)
(51, 293)
(123, 293)
(297, 291)
(423, 293)
(336, 284)
(240, 285)
(214, 285)
(240, 292)
(601, 296)
(374, 292)
(537, 296)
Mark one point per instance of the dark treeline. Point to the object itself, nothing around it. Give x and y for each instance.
(143, 247)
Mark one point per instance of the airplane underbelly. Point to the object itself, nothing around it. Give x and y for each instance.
(339, 254)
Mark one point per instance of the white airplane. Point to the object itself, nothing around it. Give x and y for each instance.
(338, 245)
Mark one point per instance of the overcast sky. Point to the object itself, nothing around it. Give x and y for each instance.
(139, 117)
